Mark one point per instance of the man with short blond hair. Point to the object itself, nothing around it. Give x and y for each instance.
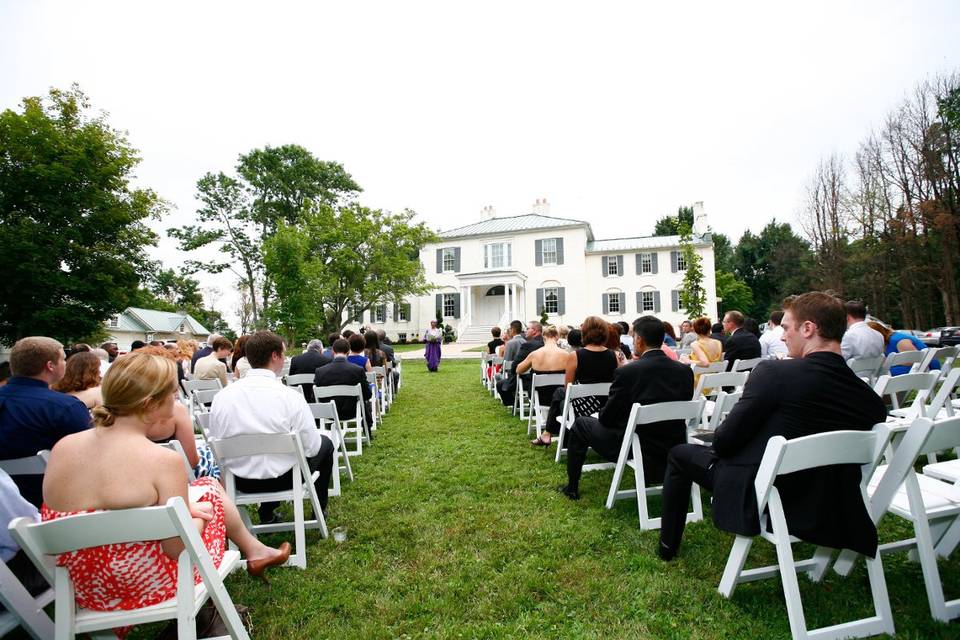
(32, 416)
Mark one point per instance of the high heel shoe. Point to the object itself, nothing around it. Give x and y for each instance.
(257, 568)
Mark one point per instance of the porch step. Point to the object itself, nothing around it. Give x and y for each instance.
(475, 334)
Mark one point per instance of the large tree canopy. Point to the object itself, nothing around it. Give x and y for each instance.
(71, 227)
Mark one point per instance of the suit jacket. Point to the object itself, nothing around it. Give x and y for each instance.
(308, 362)
(528, 347)
(795, 398)
(388, 351)
(741, 345)
(651, 379)
(342, 372)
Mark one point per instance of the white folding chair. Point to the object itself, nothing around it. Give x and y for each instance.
(301, 486)
(493, 376)
(359, 430)
(720, 410)
(484, 368)
(174, 445)
(374, 400)
(537, 418)
(42, 542)
(930, 505)
(35, 465)
(324, 413)
(944, 355)
(380, 383)
(688, 411)
(713, 367)
(939, 405)
(921, 384)
(505, 369)
(189, 386)
(903, 359)
(784, 456)
(575, 392)
(298, 380)
(200, 399)
(22, 609)
(710, 385)
(746, 364)
(867, 368)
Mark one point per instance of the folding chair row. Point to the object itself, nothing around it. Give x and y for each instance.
(578, 392)
(867, 368)
(537, 418)
(359, 429)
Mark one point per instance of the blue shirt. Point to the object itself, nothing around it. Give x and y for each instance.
(34, 418)
(358, 359)
(896, 337)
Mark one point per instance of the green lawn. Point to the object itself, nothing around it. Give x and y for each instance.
(455, 531)
(402, 348)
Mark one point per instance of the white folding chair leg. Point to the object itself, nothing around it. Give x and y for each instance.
(27, 609)
(734, 568)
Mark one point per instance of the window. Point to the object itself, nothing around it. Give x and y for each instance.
(646, 263)
(550, 251)
(612, 266)
(402, 337)
(183, 327)
(614, 304)
(681, 262)
(381, 313)
(114, 322)
(449, 305)
(449, 260)
(497, 255)
(551, 301)
(647, 301)
(403, 312)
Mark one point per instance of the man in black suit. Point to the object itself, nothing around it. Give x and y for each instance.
(387, 347)
(741, 345)
(813, 392)
(652, 378)
(333, 337)
(342, 372)
(508, 386)
(308, 362)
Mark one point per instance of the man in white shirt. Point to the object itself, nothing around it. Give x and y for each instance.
(771, 342)
(859, 340)
(259, 403)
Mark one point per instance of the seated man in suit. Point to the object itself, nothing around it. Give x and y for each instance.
(813, 392)
(741, 344)
(508, 386)
(342, 372)
(308, 362)
(259, 403)
(652, 378)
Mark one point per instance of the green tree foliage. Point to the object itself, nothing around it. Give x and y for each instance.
(733, 293)
(693, 296)
(340, 258)
(71, 227)
(722, 252)
(671, 225)
(237, 215)
(774, 264)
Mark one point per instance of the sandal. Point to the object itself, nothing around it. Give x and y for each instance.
(540, 442)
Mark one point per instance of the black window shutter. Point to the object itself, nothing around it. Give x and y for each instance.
(439, 304)
(639, 302)
(675, 300)
(619, 265)
(656, 302)
(561, 301)
(674, 255)
(639, 263)
(456, 305)
(439, 260)
(623, 299)
(538, 252)
(606, 303)
(653, 260)
(603, 265)
(559, 250)
(456, 259)
(539, 308)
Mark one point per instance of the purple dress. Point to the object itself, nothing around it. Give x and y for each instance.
(433, 349)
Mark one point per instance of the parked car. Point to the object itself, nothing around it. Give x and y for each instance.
(932, 337)
(950, 336)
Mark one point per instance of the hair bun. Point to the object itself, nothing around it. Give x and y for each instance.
(103, 416)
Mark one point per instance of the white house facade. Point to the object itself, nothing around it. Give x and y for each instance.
(506, 268)
(149, 324)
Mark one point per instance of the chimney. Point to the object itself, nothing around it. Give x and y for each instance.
(699, 219)
(541, 207)
(488, 213)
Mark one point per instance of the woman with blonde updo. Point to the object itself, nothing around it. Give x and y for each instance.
(115, 466)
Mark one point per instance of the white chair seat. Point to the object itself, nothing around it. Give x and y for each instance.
(939, 499)
(90, 620)
(949, 470)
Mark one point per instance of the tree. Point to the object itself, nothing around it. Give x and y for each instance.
(692, 294)
(71, 226)
(722, 252)
(237, 215)
(340, 258)
(671, 225)
(825, 221)
(733, 293)
(773, 264)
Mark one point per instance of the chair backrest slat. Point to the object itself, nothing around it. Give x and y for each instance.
(324, 410)
(299, 379)
(724, 379)
(30, 465)
(575, 391)
(688, 410)
(337, 390)
(944, 435)
(101, 528)
(255, 444)
(548, 380)
(189, 386)
(746, 365)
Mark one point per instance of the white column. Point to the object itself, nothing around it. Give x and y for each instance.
(469, 305)
(510, 312)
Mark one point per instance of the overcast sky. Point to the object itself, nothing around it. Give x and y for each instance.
(617, 113)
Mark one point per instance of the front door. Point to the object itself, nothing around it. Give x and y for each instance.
(489, 305)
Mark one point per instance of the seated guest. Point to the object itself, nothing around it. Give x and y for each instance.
(716, 332)
(860, 339)
(34, 417)
(104, 358)
(705, 349)
(563, 342)
(513, 344)
(112, 350)
(899, 342)
(496, 342)
(357, 356)
(615, 345)
(534, 340)
(771, 342)
(260, 404)
(626, 342)
(813, 392)
(333, 337)
(137, 344)
(752, 326)
(507, 336)
(81, 379)
(549, 358)
(210, 367)
(115, 466)
(687, 336)
(575, 338)
(341, 371)
(308, 362)
(387, 347)
(238, 362)
(13, 506)
(669, 337)
(741, 344)
(651, 379)
(346, 334)
(371, 348)
(203, 352)
(587, 365)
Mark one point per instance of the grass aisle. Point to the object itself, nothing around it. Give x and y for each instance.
(455, 531)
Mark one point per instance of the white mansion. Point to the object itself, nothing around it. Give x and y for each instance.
(501, 269)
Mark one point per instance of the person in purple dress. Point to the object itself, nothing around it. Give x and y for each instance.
(433, 337)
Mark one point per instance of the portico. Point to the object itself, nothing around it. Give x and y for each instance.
(490, 298)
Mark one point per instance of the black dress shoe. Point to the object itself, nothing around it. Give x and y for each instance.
(573, 495)
(665, 553)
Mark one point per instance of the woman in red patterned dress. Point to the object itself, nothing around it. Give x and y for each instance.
(115, 466)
